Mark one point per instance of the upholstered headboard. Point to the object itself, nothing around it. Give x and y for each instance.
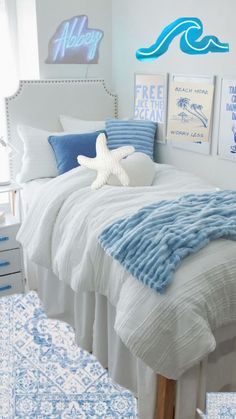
(39, 103)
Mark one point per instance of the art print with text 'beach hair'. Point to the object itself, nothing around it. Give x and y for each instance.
(75, 43)
(190, 112)
(227, 128)
(150, 101)
(191, 29)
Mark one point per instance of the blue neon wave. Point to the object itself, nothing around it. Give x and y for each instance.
(192, 29)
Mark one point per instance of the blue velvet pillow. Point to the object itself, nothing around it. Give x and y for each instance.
(68, 147)
(139, 134)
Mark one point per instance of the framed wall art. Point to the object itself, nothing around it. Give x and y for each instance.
(227, 124)
(190, 110)
(151, 101)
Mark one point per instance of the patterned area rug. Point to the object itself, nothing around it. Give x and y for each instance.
(44, 375)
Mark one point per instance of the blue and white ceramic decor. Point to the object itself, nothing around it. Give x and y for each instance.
(44, 375)
(219, 406)
(191, 29)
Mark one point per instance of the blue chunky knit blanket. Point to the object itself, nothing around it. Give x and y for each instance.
(152, 243)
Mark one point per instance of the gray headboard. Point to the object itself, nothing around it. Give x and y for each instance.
(39, 103)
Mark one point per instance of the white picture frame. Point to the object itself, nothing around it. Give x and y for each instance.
(196, 137)
(150, 100)
(227, 120)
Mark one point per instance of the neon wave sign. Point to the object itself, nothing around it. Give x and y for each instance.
(191, 29)
(74, 43)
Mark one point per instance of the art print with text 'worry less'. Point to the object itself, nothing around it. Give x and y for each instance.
(190, 112)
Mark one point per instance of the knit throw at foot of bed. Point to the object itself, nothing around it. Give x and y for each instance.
(152, 243)
(43, 374)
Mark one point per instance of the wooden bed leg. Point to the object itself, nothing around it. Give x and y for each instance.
(165, 401)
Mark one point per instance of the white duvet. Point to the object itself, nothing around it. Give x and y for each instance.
(169, 332)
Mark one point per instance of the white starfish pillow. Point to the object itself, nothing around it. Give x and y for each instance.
(107, 162)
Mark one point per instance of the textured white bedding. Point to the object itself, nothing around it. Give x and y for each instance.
(169, 332)
(30, 190)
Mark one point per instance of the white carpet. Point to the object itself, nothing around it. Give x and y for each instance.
(44, 375)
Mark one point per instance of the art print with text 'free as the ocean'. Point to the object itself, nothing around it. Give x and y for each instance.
(227, 128)
(191, 29)
(150, 101)
(74, 43)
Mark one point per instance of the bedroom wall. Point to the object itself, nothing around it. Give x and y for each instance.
(27, 38)
(137, 24)
(50, 13)
(37, 22)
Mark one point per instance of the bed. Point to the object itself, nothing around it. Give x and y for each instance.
(97, 315)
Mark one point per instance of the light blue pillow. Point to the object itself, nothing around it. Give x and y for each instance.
(67, 147)
(139, 134)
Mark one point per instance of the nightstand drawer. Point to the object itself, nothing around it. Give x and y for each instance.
(10, 262)
(8, 237)
(11, 284)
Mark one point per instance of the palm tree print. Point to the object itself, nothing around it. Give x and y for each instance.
(198, 109)
(183, 116)
(193, 109)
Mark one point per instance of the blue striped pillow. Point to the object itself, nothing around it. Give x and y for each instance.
(139, 134)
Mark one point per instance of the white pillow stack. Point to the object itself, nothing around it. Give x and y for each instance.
(38, 159)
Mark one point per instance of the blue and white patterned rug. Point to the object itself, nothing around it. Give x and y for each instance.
(44, 375)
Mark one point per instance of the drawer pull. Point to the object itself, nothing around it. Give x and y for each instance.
(5, 288)
(4, 238)
(4, 263)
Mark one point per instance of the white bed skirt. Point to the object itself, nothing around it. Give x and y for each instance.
(92, 317)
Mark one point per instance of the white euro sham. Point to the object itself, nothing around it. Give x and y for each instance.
(80, 126)
(38, 158)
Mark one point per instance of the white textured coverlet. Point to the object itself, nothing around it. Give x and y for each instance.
(169, 332)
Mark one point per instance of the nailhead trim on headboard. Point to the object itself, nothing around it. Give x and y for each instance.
(22, 83)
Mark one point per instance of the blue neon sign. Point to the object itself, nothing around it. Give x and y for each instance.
(74, 43)
(192, 29)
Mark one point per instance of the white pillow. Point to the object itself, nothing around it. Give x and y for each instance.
(140, 169)
(38, 159)
(80, 126)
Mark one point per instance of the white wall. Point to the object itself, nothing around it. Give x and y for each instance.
(37, 22)
(50, 13)
(11, 9)
(27, 37)
(137, 24)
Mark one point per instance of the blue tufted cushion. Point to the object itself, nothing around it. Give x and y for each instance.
(139, 134)
(68, 147)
